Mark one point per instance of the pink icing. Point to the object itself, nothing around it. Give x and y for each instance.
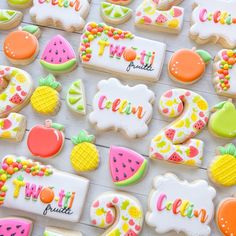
(203, 15)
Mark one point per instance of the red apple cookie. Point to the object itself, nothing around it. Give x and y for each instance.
(226, 217)
(187, 66)
(46, 140)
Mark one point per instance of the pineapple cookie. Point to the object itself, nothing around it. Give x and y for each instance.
(84, 156)
(222, 170)
(45, 99)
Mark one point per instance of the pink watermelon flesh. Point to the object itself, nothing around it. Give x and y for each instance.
(14, 227)
(175, 157)
(125, 163)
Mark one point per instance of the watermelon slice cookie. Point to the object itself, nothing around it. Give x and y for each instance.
(58, 57)
(9, 19)
(126, 166)
(15, 226)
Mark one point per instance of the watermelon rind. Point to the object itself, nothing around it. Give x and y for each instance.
(55, 68)
(136, 177)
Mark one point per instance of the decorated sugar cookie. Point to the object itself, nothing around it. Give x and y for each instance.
(45, 99)
(15, 226)
(120, 107)
(13, 127)
(150, 16)
(15, 45)
(84, 155)
(214, 22)
(126, 166)
(46, 140)
(222, 170)
(53, 231)
(115, 14)
(58, 57)
(75, 97)
(68, 15)
(175, 142)
(222, 120)
(120, 52)
(119, 213)
(39, 189)
(15, 89)
(180, 206)
(224, 73)
(225, 216)
(9, 19)
(187, 66)
(20, 3)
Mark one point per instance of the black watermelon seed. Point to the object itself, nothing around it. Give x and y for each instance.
(50, 50)
(132, 169)
(120, 154)
(60, 42)
(117, 178)
(13, 234)
(123, 165)
(8, 228)
(23, 231)
(114, 159)
(125, 175)
(52, 60)
(137, 162)
(18, 226)
(55, 43)
(117, 170)
(64, 50)
(60, 60)
(129, 160)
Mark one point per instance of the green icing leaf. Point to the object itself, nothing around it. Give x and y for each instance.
(229, 149)
(32, 29)
(83, 137)
(58, 126)
(220, 105)
(206, 57)
(49, 81)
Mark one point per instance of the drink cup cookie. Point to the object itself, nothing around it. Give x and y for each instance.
(53, 231)
(181, 206)
(58, 56)
(45, 99)
(187, 66)
(15, 89)
(40, 189)
(15, 43)
(9, 19)
(20, 4)
(222, 169)
(214, 22)
(119, 213)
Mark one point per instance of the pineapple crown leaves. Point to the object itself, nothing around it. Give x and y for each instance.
(83, 137)
(49, 81)
(229, 149)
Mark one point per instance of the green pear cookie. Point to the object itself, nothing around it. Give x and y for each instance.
(9, 19)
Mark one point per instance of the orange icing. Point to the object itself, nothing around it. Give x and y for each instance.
(186, 66)
(20, 45)
(226, 217)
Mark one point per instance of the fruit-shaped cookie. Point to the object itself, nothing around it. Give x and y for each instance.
(20, 4)
(187, 66)
(45, 98)
(222, 170)
(226, 216)
(21, 46)
(126, 166)
(46, 140)
(222, 121)
(9, 19)
(58, 57)
(84, 156)
(75, 97)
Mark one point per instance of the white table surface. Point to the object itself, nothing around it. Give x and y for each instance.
(100, 179)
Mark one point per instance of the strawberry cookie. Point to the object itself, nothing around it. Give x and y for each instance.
(15, 43)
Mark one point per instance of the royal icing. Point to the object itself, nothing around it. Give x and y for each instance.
(58, 56)
(222, 121)
(75, 98)
(149, 14)
(120, 212)
(122, 108)
(214, 22)
(120, 2)
(13, 226)
(9, 19)
(53, 231)
(224, 73)
(20, 3)
(180, 206)
(222, 170)
(45, 99)
(68, 15)
(126, 166)
(84, 156)
(225, 216)
(18, 91)
(187, 66)
(120, 52)
(175, 142)
(46, 140)
(32, 187)
(13, 127)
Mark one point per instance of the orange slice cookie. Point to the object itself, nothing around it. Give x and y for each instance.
(226, 217)
(187, 66)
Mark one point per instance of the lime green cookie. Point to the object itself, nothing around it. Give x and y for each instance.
(20, 3)
(9, 19)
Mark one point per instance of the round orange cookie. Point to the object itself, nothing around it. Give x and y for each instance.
(226, 217)
(187, 66)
